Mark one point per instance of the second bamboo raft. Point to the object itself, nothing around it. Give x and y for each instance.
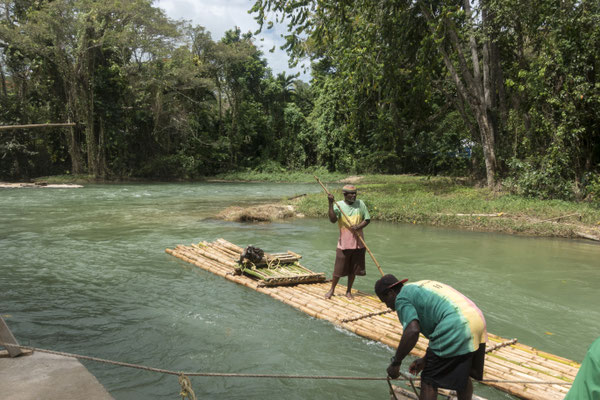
(275, 269)
(507, 363)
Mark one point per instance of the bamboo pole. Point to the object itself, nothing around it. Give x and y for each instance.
(210, 263)
(516, 371)
(217, 251)
(350, 307)
(555, 370)
(199, 262)
(514, 388)
(230, 246)
(567, 368)
(216, 257)
(510, 371)
(546, 355)
(521, 390)
(500, 345)
(345, 308)
(356, 234)
(223, 251)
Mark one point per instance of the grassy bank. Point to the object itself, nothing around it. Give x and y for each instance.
(453, 203)
(66, 179)
(281, 176)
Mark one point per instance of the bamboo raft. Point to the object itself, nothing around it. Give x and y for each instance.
(405, 394)
(507, 363)
(274, 270)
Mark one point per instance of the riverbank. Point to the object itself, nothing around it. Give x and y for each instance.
(47, 376)
(436, 201)
(10, 185)
(455, 203)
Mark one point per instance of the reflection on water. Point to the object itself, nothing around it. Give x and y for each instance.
(84, 271)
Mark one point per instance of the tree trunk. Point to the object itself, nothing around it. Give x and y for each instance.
(77, 166)
(90, 136)
(73, 136)
(476, 87)
(3, 78)
(85, 73)
(486, 129)
(101, 160)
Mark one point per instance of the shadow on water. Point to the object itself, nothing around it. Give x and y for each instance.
(84, 271)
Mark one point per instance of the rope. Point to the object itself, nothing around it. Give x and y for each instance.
(412, 384)
(209, 374)
(373, 314)
(392, 391)
(186, 388)
(273, 264)
(275, 376)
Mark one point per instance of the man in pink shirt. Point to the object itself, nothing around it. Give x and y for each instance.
(350, 252)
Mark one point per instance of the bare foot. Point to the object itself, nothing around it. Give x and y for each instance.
(349, 295)
(329, 294)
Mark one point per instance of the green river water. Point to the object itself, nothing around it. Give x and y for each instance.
(84, 271)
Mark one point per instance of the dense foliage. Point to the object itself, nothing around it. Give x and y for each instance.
(497, 90)
(150, 97)
(412, 86)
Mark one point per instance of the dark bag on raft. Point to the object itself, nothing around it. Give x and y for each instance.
(252, 254)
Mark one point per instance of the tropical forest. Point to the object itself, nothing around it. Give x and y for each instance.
(498, 91)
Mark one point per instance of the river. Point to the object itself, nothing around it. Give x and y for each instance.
(84, 271)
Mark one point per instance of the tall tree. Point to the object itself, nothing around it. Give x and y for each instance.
(463, 39)
(70, 41)
(360, 38)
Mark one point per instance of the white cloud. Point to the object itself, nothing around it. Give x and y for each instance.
(218, 16)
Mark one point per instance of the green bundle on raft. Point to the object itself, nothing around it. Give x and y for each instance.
(272, 270)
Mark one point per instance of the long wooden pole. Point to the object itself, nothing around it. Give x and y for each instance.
(5, 127)
(355, 233)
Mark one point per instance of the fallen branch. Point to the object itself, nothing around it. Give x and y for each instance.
(588, 236)
(500, 214)
(5, 127)
(559, 218)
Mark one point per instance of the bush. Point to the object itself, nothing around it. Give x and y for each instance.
(171, 166)
(592, 188)
(541, 180)
(270, 167)
(380, 161)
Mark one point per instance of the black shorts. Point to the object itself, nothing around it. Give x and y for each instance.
(453, 372)
(349, 262)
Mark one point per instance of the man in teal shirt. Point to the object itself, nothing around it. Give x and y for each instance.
(587, 382)
(454, 326)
